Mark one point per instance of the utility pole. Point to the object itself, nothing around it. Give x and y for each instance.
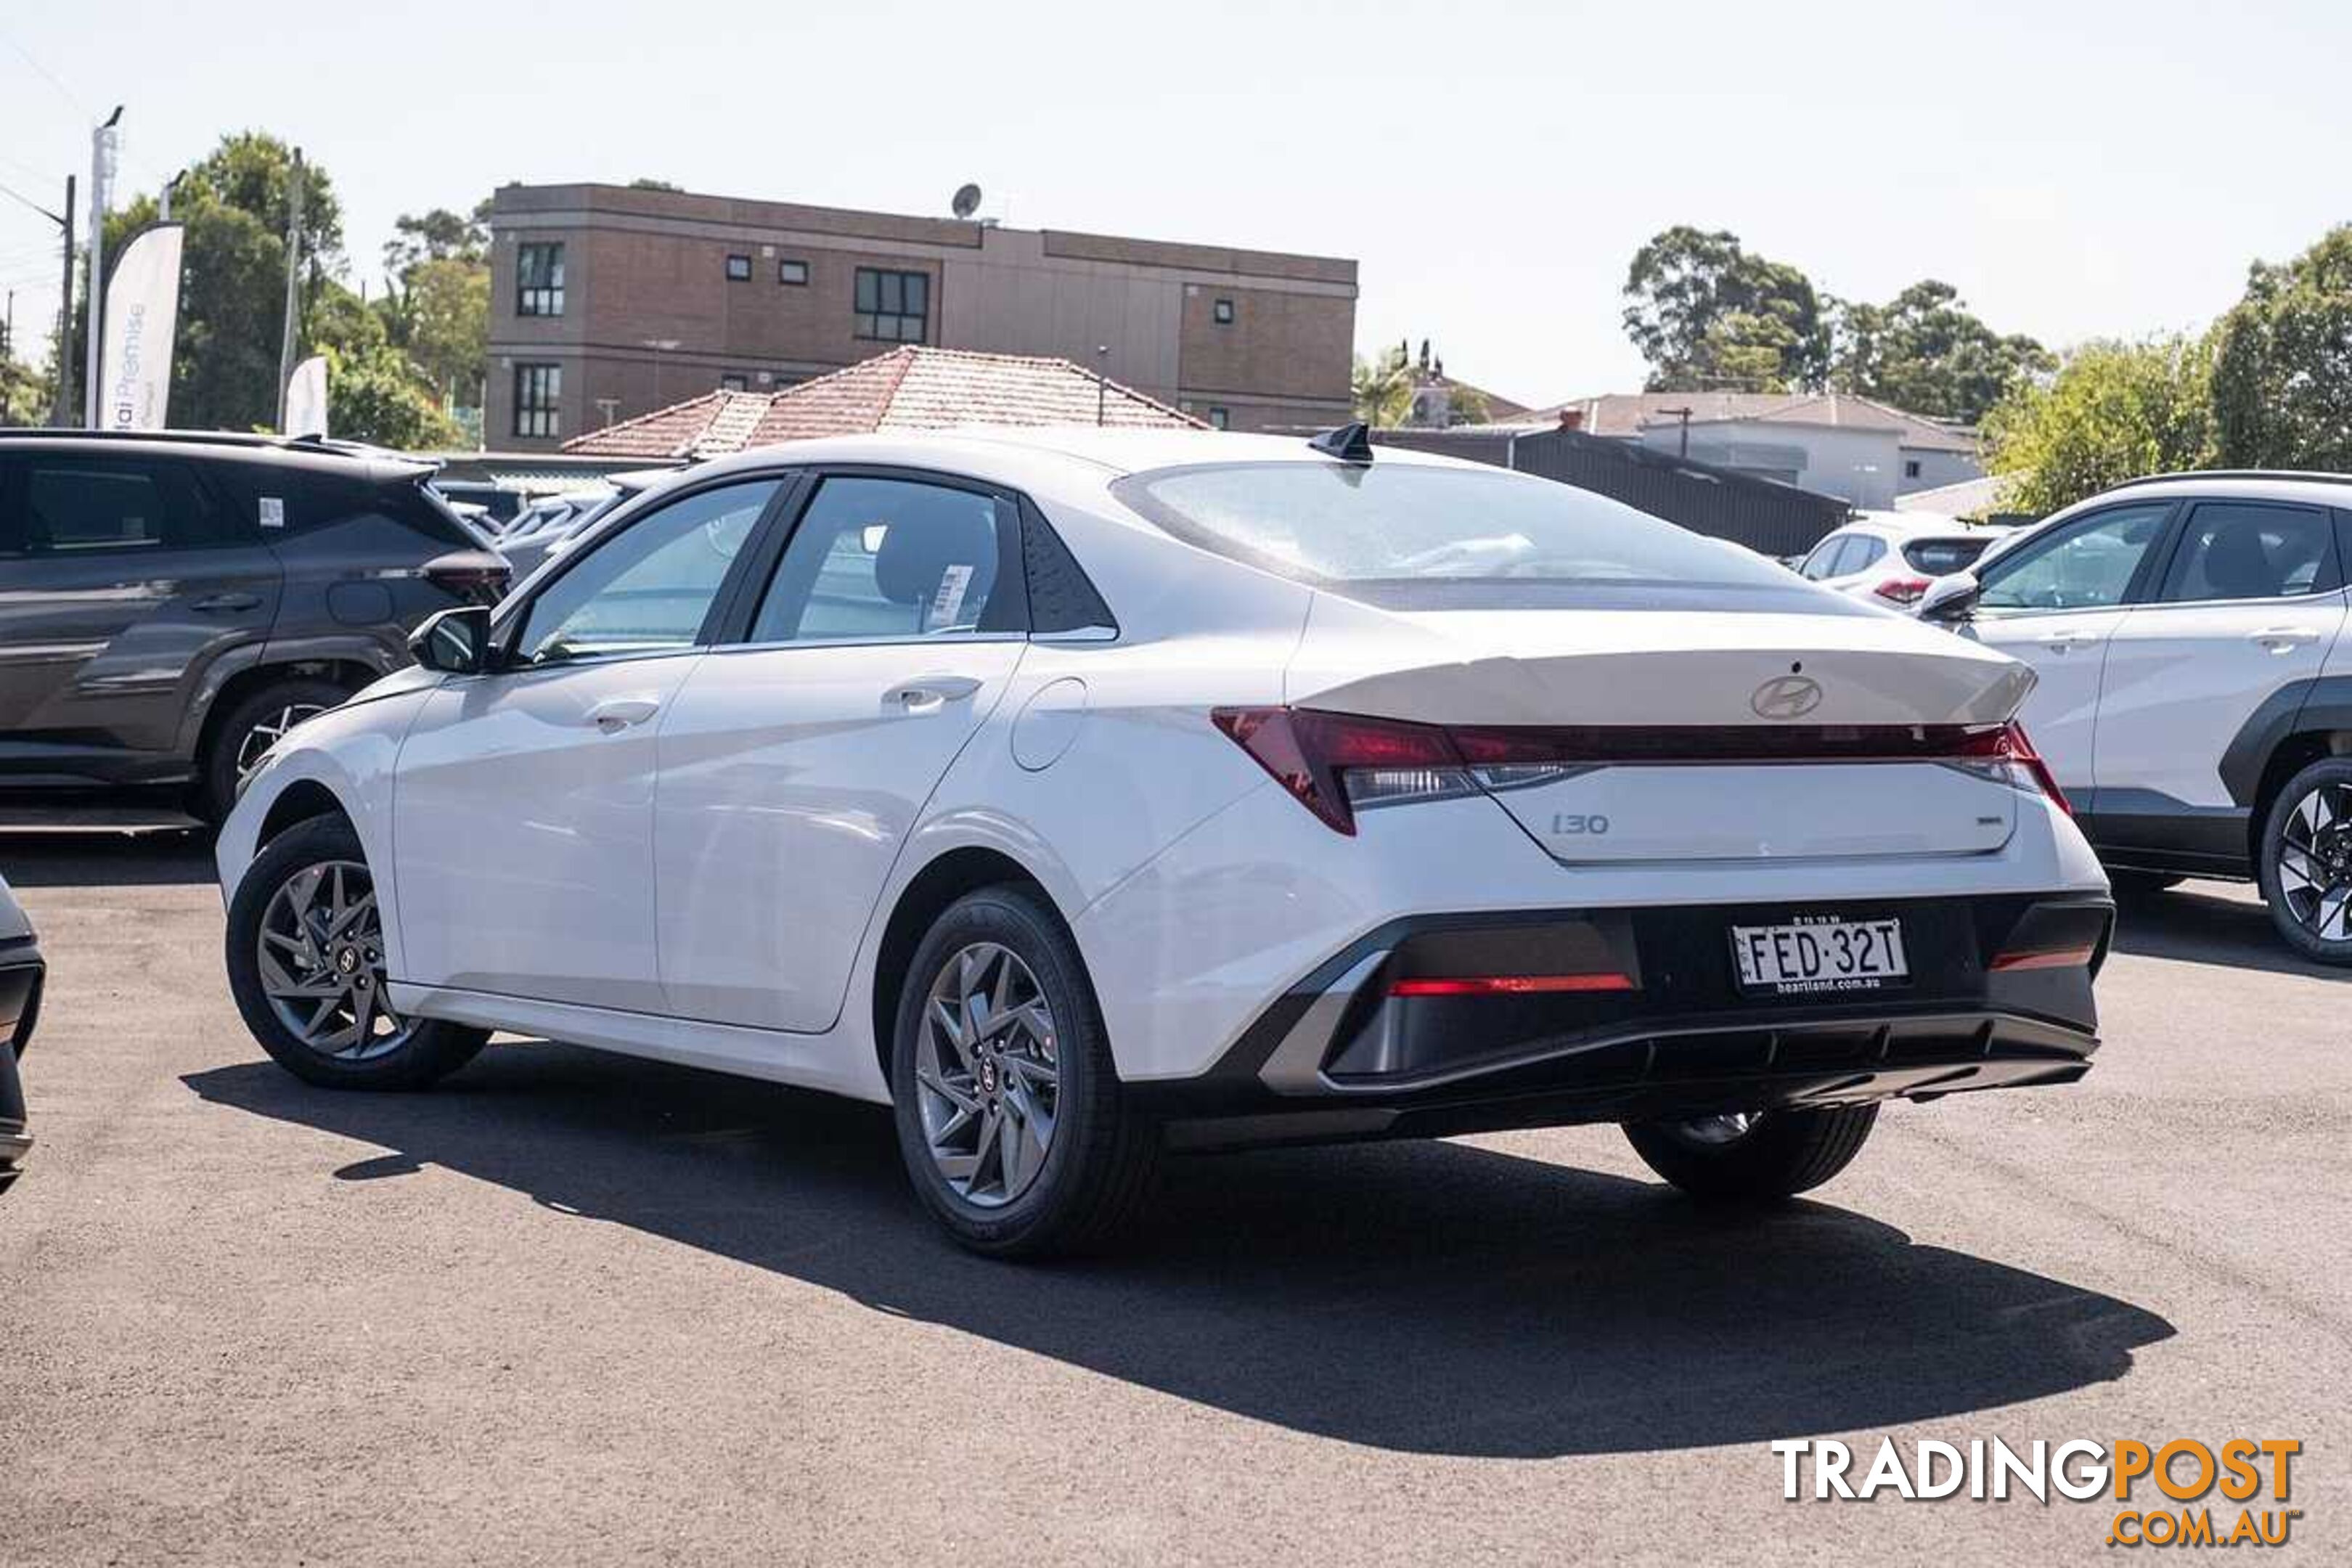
(293, 284)
(103, 145)
(62, 415)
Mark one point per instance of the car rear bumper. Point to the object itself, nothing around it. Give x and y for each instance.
(21, 975)
(1369, 1046)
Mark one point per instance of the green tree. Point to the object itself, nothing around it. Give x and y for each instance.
(439, 234)
(1924, 351)
(437, 298)
(1710, 315)
(2282, 363)
(1383, 387)
(2114, 412)
(374, 392)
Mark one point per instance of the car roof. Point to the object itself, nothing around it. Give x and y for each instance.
(292, 451)
(2275, 484)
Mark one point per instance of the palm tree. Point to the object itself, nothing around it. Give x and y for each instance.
(1383, 387)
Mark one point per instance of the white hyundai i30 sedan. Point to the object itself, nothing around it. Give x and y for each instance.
(1089, 796)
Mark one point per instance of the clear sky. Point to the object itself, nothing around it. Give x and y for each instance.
(2074, 169)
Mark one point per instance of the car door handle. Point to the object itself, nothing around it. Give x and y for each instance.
(2061, 641)
(615, 714)
(2278, 639)
(224, 603)
(928, 693)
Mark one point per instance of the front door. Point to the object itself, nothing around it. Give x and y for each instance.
(2055, 602)
(522, 808)
(794, 764)
(123, 580)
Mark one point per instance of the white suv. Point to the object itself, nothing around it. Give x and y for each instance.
(1892, 556)
(2195, 700)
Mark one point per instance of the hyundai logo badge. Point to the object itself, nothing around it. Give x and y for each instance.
(1786, 697)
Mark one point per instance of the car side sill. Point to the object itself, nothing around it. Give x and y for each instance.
(807, 1061)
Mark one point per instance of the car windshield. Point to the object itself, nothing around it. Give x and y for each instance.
(1420, 536)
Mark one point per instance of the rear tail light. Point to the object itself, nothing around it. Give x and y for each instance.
(2004, 755)
(1339, 763)
(1336, 764)
(1902, 590)
(471, 576)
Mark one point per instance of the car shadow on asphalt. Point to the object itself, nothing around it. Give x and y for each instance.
(1432, 1298)
(2189, 926)
(106, 860)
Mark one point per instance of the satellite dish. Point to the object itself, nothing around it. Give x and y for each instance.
(967, 200)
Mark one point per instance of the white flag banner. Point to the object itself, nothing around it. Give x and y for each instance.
(306, 398)
(143, 317)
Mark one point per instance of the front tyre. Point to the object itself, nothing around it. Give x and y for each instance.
(1010, 1115)
(2306, 861)
(1753, 1157)
(305, 952)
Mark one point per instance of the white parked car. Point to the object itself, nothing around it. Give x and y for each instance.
(1091, 794)
(2196, 695)
(1892, 556)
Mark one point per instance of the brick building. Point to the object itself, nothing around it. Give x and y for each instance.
(608, 302)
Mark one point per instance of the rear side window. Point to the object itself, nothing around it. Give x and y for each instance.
(889, 559)
(1941, 557)
(1413, 536)
(1861, 550)
(2251, 550)
(284, 500)
(73, 505)
(1823, 562)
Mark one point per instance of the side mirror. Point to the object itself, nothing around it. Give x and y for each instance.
(1950, 599)
(455, 642)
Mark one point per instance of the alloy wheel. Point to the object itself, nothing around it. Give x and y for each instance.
(988, 1075)
(266, 730)
(2315, 863)
(322, 960)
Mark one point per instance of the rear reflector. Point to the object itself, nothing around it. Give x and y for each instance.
(1509, 984)
(2047, 958)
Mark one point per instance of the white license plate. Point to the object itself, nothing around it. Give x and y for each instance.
(1826, 954)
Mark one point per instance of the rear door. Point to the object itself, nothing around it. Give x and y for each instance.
(2055, 602)
(795, 761)
(2250, 602)
(124, 579)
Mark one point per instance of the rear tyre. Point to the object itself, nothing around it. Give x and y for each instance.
(251, 728)
(305, 950)
(1010, 1114)
(1753, 1157)
(2306, 861)
(2142, 884)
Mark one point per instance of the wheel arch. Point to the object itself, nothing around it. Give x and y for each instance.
(927, 895)
(300, 802)
(2288, 758)
(351, 674)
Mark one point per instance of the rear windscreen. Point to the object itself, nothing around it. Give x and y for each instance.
(1937, 557)
(1420, 536)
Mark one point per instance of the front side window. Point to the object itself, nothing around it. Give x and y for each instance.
(538, 400)
(2251, 550)
(648, 588)
(893, 307)
(1415, 536)
(893, 559)
(2088, 564)
(80, 506)
(539, 280)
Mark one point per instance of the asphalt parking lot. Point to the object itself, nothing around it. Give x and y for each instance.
(572, 1308)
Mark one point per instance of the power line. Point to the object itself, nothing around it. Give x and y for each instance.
(5, 191)
(46, 74)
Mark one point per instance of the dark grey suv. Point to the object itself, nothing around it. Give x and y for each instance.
(170, 604)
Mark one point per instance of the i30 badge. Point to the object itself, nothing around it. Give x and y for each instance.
(1786, 697)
